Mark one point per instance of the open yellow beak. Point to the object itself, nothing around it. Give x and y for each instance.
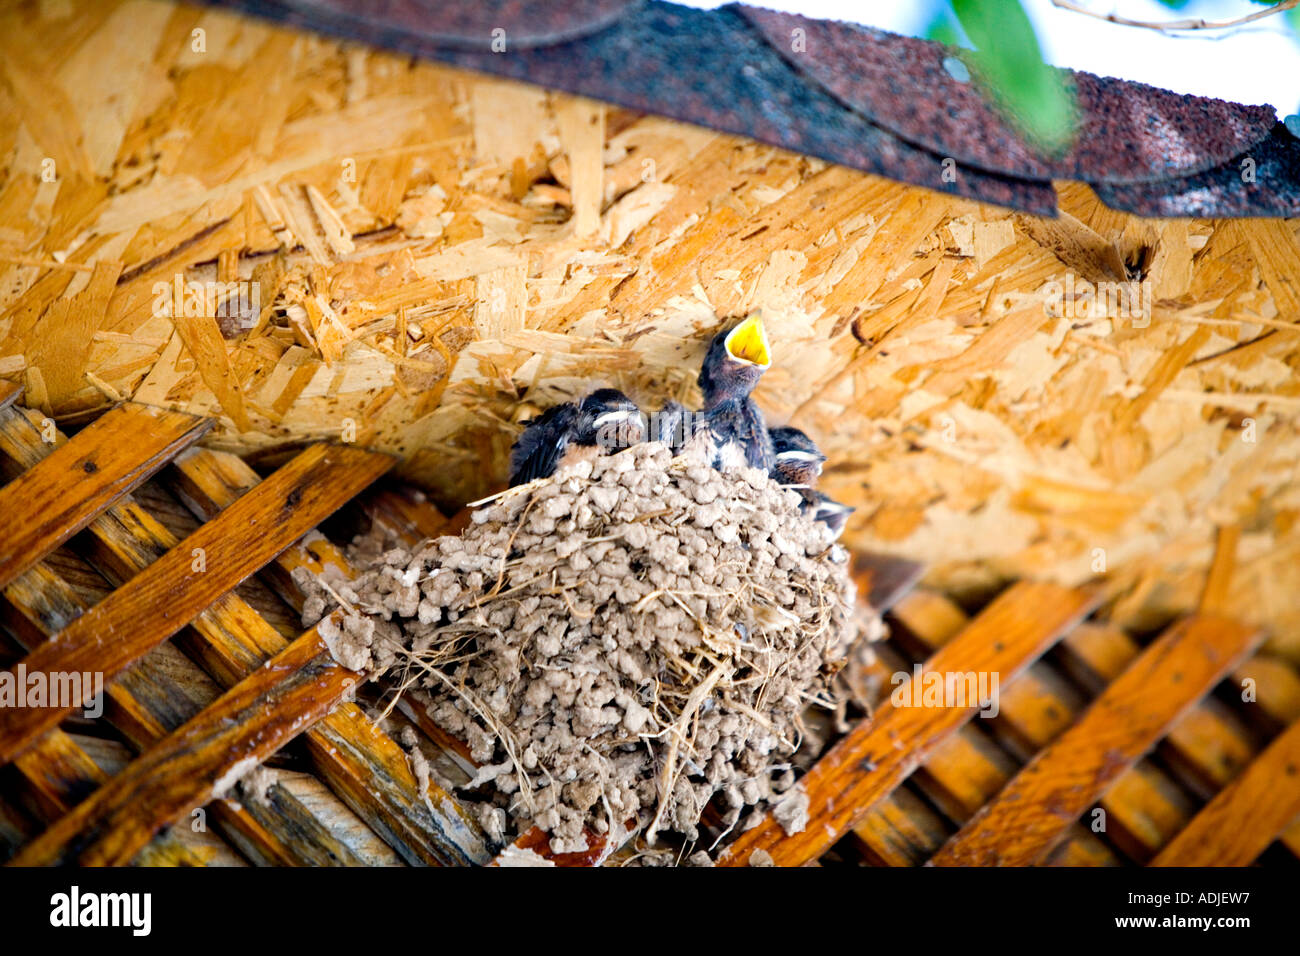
(747, 342)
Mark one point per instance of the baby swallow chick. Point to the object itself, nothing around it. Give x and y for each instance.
(736, 360)
(604, 422)
(796, 460)
(828, 511)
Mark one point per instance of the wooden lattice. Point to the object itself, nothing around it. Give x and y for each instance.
(131, 551)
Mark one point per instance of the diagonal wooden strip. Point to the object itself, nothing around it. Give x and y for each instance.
(902, 830)
(199, 761)
(1144, 808)
(144, 705)
(966, 769)
(1250, 813)
(877, 755)
(171, 592)
(1034, 710)
(47, 505)
(408, 513)
(60, 774)
(1206, 747)
(9, 393)
(360, 762)
(1216, 596)
(1022, 825)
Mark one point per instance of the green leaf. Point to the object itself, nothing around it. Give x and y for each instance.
(1009, 63)
(944, 29)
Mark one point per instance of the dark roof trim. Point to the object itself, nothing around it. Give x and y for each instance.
(864, 98)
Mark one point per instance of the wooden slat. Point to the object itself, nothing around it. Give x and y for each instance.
(9, 393)
(967, 769)
(1209, 746)
(161, 599)
(1277, 686)
(964, 771)
(1142, 808)
(1082, 848)
(901, 830)
(1216, 597)
(61, 775)
(408, 514)
(1206, 747)
(144, 704)
(1097, 652)
(868, 764)
(1250, 813)
(360, 762)
(1031, 813)
(200, 760)
(45, 506)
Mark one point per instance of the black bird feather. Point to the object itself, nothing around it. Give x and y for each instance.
(537, 452)
(604, 421)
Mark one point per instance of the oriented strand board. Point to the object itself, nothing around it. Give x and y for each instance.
(417, 258)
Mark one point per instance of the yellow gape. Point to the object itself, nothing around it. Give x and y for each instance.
(748, 342)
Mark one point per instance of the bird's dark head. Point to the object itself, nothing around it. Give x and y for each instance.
(610, 419)
(736, 360)
(796, 460)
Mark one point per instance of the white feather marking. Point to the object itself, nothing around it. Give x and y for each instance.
(622, 415)
(797, 456)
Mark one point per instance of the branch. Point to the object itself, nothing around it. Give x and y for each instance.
(1195, 24)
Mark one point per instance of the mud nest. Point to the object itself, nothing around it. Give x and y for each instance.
(617, 644)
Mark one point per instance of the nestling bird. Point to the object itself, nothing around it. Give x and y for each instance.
(825, 509)
(604, 422)
(796, 460)
(736, 360)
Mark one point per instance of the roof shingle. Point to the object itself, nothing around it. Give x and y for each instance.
(852, 95)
